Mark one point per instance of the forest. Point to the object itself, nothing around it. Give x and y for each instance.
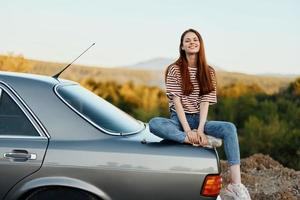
(267, 123)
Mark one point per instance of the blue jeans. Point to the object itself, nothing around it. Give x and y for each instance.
(171, 129)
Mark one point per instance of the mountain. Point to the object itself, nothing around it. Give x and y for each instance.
(159, 63)
(152, 64)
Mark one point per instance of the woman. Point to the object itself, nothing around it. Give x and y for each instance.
(191, 88)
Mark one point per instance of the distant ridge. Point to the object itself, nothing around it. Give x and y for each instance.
(279, 75)
(158, 63)
(153, 64)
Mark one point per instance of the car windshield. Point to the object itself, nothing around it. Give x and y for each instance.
(97, 111)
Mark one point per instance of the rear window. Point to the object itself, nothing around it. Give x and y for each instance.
(98, 111)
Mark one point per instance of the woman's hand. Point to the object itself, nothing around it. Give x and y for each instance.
(202, 138)
(192, 136)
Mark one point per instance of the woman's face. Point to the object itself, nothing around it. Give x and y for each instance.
(191, 43)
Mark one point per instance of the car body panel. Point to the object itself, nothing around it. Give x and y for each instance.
(112, 167)
(13, 166)
(138, 170)
(12, 170)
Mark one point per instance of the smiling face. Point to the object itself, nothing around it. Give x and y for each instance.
(190, 43)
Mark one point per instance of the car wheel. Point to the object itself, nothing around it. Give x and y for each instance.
(59, 193)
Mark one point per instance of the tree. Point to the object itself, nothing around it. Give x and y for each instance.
(286, 149)
(239, 89)
(15, 63)
(294, 88)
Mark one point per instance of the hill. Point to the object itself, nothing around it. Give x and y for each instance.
(266, 178)
(269, 84)
(148, 76)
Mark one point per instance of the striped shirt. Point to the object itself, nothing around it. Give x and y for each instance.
(190, 103)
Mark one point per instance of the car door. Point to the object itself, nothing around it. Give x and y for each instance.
(23, 142)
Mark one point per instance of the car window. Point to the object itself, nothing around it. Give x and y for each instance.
(98, 111)
(12, 119)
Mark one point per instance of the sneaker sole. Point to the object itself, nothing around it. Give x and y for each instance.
(224, 196)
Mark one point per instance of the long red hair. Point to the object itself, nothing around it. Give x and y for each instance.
(203, 73)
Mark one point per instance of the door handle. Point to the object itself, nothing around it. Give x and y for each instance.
(20, 155)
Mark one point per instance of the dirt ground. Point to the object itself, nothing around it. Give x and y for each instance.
(266, 179)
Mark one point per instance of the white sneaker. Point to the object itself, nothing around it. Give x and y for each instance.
(213, 142)
(236, 192)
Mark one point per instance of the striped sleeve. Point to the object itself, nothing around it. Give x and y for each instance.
(173, 83)
(212, 96)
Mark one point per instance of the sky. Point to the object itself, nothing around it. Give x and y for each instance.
(249, 36)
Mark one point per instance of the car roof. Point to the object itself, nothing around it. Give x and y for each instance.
(37, 93)
(12, 77)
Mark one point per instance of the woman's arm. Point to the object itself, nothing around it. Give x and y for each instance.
(181, 115)
(192, 137)
(203, 116)
(205, 101)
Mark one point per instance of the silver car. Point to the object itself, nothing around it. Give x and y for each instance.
(60, 141)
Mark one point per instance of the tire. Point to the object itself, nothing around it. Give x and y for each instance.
(60, 193)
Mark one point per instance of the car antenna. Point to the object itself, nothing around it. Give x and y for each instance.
(57, 75)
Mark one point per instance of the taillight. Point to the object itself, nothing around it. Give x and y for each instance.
(212, 185)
